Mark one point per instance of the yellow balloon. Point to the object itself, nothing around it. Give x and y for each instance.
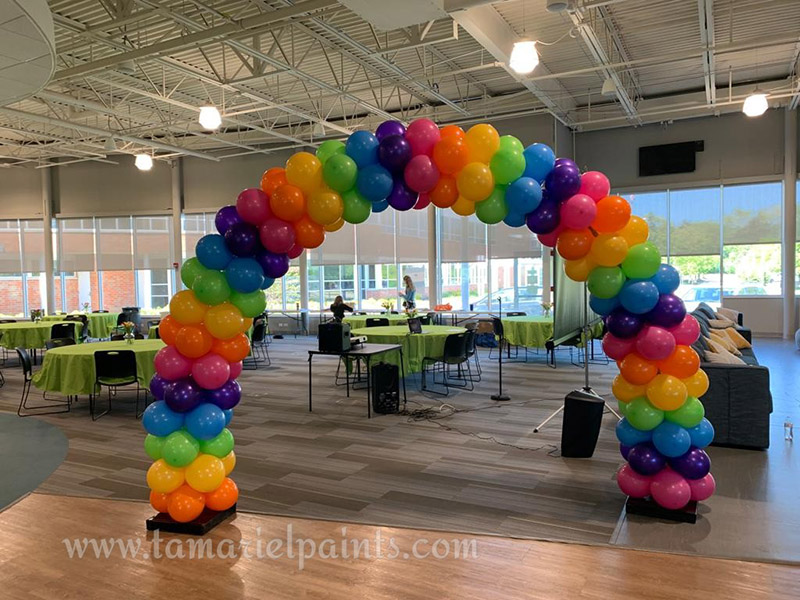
(224, 321)
(463, 207)
(666, 392)
(229, 461)
(482, 142)
(578, 270)
(186, 309)
(304, 170)
(162, 478)
(335, 226)
(475, 181)
(325, 207)
(636, 231)
(206, 473)
(624, 391)
(608, 249)
(697, 384)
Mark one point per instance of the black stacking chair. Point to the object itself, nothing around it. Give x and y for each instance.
(8, 320)
(454, 354)
(472, 352)
(42, 409)
(516, 314)
(62, 330)
(118, 337)
(377, 322)
(425, 320)
(258, 348)
(99, 311)
(84, 321)
(114, 369)
(358, 312)
(502, 342)
(58, 343)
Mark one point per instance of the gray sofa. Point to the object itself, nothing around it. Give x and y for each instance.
(738, 401)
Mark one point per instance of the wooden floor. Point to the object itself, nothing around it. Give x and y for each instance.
(34, 564)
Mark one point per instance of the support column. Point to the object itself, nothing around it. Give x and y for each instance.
(303, 281)
(547, 274)
(434, 280)
(789, 221)
(177, 209)
(47, 224)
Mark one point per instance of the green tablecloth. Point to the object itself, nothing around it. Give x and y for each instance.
(70, 370)
(100, 324)
(533, 332)
(27, 334)
(415, 347)
(152, 333)
(360, 321)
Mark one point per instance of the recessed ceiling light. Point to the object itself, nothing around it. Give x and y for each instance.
(210, 118)
(524, 57)
(144, 162)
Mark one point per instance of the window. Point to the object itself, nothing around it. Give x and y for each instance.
(377, 268)
(652, 207)
(462, 248)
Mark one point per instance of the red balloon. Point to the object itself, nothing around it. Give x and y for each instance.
(295, 251)
(277, 235)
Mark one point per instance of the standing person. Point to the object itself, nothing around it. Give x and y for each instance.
(338, 308)
(409, 293)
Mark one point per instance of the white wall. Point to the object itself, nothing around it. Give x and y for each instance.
(530, 129)
(764, 316)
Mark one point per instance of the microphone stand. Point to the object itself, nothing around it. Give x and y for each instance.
(500, 396)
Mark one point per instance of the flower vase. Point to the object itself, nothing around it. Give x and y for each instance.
(128, 337)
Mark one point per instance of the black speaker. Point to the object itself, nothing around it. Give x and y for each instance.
(385, 388)
(334, 337)
(583, 414)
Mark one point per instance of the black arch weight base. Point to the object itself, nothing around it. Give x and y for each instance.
(649, 508)
(207, 520)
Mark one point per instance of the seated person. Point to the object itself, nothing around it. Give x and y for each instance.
(338, 308)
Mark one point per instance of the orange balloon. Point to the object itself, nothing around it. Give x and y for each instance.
(697, 384)
(578, 270)
(247, 324)
(168, 329)
(193, 341)
(233, 349)
(636, 231)
(288, 203)
(682, 363)
(637, 370)
(159, 501)
(624, 391)
(445, 193)
(450, 155)
(451, 131)
(308, 234)
(613, 213)
(272, 179)
(574, 243)
(224, 496)
(186, 504)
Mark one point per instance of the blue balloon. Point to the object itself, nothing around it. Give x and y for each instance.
(671, 439)
(362, 147)
(638, 296)
(228, 416)
(268, 281)
(160, 420)
(539, 161)
(701, 434)
(630, 436)
(515, 219)
(244, 275)
(374, 182)
(206, 421)
(380, 206)
(603, 306)
(667, 279)
(212, 252)
(523, 195)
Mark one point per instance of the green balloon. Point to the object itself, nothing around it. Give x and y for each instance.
(356, 208)
(211, 287)
(507, 165)
(251, 304)
(340, 172)
(689, 415)
(643, 415)
(623, 407)
(190, 269)
(605, 282)
(219, 446)
(642, 261)
(493, 209)
(153, 445)
(328, 149)
(509, 142)
(180, 448)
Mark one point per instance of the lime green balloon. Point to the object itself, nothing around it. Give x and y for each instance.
(623, 407)
(642, 261)
(689, 415)
(251, 304)
(219, 446)
(507, 165)
(180, 448)
(643, 415)
(211, 287)
(493, 209)
(340, 172)
(605, 282)
(509, 142)
(153, 446)
(356, 207)
(328, 149)
(190, 269)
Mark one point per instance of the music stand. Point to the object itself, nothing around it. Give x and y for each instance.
(500, 396)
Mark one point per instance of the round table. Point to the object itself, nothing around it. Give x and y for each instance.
(531, 332)
(70, 370)
(100, 324)
(360, 321)
(415, 346)
(27, 334)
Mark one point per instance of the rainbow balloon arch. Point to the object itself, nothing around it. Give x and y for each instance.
(663, 432)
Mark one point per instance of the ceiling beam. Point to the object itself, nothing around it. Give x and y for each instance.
(705, 13)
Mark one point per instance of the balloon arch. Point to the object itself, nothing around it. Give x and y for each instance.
(475, 172)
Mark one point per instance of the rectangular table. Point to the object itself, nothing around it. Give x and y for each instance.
(365, 351)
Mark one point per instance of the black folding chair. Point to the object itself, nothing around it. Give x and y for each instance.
(42, 409)
(58, 343)
(62, 330)
(118, 337)
(454, 354)
(99, 311)
(377, 322)
(502, 342)
(114, 369)
(516, 314)
(258, 348)
(84, 321)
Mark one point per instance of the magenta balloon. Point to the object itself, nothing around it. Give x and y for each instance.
(388, 128)
(422, 134)
(171, 364)
(617, 348)
(236, 369)
(277, 235)
(686, 332)
(423, 200)
(670, 490)
(702, 489)
(211, 371)
(654, 343)
(632, 483)
(253, 206)
(295, 251)
(421, 174)
(550, 239)
(595, 185)
(578, 211)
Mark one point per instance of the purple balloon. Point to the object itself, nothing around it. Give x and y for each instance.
(563, 181)
(695, 464)
(242, 239)
(545, 218)
(388, 128)
(226, 218)
(394, 153)
(623, 324)
(183, 395)
(565, 161)
(227, 396)
(668, 312)
(158, 386)
(624, 450)
(274, 265)
(402, 196)
(645, 459)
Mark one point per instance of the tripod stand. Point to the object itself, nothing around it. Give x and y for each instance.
(500, 396)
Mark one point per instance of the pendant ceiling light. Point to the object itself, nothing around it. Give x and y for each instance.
(210, 118)
(144, 162)
(524, 57)
(755, 104)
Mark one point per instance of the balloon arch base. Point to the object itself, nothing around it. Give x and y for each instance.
(207, 520)
(649, 508)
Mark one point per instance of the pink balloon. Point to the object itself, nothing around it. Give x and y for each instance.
(578, 212)
(171, 364)
(550, 239)
(422, 135)
(295, 251)
(687, 331)
(277, 235)
(670, 490)
(422, 201)
(421, 174)
(654, 343)
(632, 483)
(211, 371)
(595, 185)
(236, 369)
(253, 206)
(617, 348)
(703, 488)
